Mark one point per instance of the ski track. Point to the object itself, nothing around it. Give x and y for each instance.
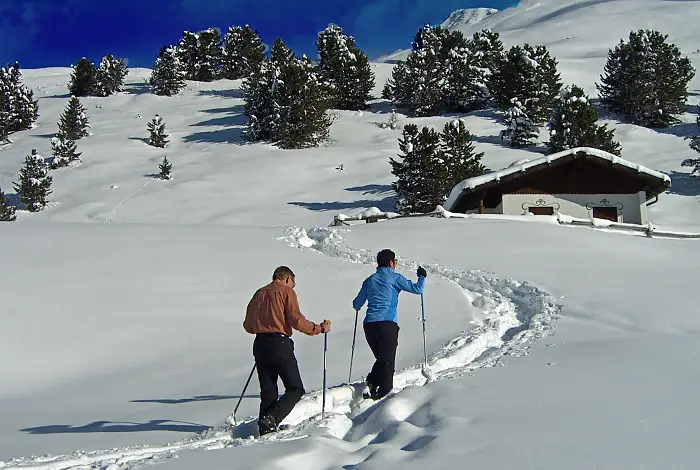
(517, 314)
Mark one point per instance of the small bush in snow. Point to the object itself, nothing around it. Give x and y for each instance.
(243, 52)
(167, 77)
(646, 80)
(574, 124)
(73, 124)
(156, 129)
(34, 185)
(520, 130)
(344, 68)
(166, 169)
(7, 212)
(64, 152)
(18, 108)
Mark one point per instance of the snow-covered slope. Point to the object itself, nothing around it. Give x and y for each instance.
(121, 342)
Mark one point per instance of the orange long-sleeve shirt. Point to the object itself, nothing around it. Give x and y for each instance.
(275, 309)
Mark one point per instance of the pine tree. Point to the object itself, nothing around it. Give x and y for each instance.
(167, 78)
(421, 83)
(646, 80)
(520, 130)
(64, 152)
(243, 52)
(459, 159)
(83, 80)
(109, 77)
(530, 75)
(166, 169)
(34, 185)
(574, 124)
(210, 55)
(4, 117)
(345, 68)
(18, 108)
(418, 187)
(7, 212)
(74, 121)
(187, 53)
(285, 101)
(417, 43)
(466, 81)
(694, 163)
(156, 128)
(304, 121)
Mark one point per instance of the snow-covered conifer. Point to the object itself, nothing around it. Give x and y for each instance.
(646, 79)
(167, 78)
(694, 163)
(34, 185)
(18, 108)
(210, 55)
(520, 130)
(530, 75)
(156, 129)
(417, 43)
(7, 212)
(345, 68)
(166, 169)
(466, 87)
(110, 75)
(187, 53)
(418, 171)
(574, 124)
(243, 52)
(83, 80)
(74, 123)
(64, 152)
(459, 158)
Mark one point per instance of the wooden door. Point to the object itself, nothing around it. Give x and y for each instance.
(607, 213)
(541, 210)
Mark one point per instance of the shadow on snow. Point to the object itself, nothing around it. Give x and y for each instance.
(178, 401)
(117, 426)
(684, 184)
(387, 204)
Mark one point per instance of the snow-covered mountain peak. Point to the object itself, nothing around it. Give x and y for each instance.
(467, 17)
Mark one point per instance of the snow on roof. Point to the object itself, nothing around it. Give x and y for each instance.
(523, 166)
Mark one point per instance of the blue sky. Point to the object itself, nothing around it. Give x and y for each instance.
(44, 33)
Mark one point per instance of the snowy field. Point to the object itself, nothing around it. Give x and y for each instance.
(552, 347)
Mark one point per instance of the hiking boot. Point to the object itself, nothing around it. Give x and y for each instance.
(370, 390)
(267, 424)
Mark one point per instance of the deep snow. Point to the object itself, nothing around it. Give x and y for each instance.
(552, 346)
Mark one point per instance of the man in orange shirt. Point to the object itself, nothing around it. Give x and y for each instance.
(271, 314)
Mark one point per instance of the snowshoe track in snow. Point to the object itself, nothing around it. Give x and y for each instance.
(518, 314)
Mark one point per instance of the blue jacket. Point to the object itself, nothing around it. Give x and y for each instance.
(381, 292)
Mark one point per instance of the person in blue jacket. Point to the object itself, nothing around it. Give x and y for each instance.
(381, 292)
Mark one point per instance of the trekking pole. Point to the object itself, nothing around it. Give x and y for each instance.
(325, 350)
(232, 418)
(425, 348)
(352, 353)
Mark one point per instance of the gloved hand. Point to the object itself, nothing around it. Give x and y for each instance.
(421, 272)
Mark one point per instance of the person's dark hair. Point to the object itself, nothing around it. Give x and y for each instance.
(384, 256)
(282, 273)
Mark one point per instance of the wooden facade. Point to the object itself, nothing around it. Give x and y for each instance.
(573, 174)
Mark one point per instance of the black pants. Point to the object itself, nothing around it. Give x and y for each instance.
(274, 356)
(383, 339)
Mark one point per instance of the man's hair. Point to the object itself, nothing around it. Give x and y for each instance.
(282, 273)
(384, 256)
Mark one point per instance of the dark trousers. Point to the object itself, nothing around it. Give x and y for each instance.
(383, 339)
(274, 356)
